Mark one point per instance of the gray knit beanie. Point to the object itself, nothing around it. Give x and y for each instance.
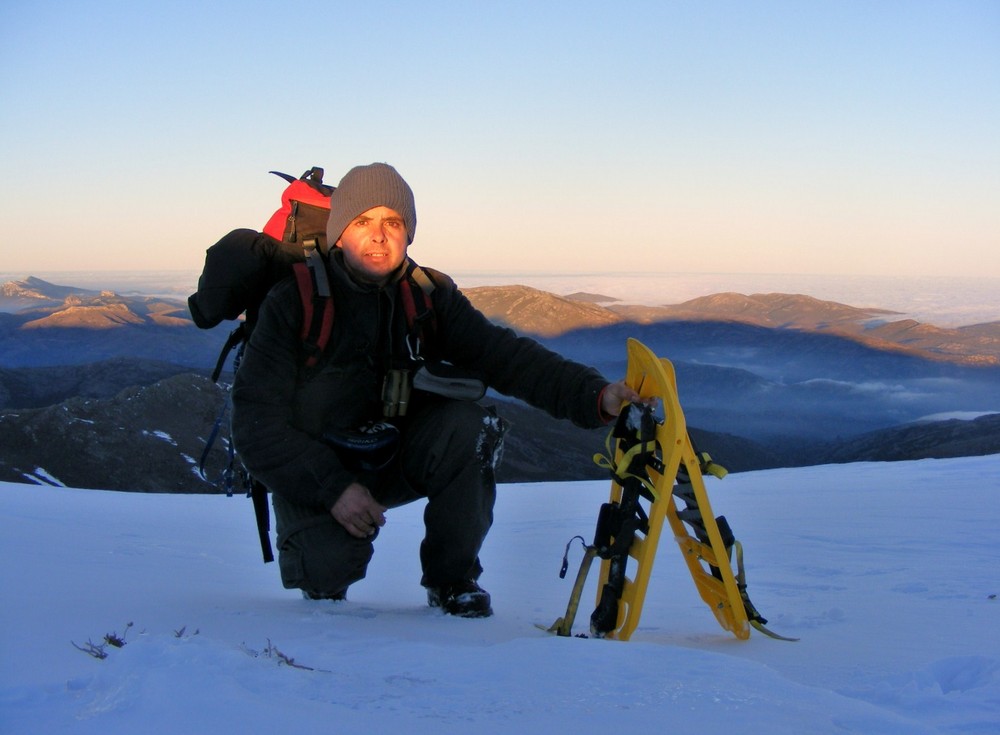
(365, 187)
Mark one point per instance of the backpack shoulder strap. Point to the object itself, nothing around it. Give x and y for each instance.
(420, 277)
(415, 290)
(317, 305)
(236, 338)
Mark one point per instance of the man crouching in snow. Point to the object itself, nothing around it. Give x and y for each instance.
(372, 424)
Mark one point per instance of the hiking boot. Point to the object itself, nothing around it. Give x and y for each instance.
(466, 599)
(335, 596)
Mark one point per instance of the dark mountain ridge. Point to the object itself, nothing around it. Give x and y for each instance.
(150, 438)
(145, 437)
(38, 387)
(932, 439)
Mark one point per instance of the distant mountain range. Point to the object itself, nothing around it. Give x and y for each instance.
(540, 313)
(92, 382)
(43, 324)
(33, 304)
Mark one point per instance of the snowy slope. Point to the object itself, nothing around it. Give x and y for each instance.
(887, 572)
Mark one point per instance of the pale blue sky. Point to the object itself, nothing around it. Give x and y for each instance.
(754, 137)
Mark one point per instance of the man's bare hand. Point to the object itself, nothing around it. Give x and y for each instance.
(358, 512)
(615, 395)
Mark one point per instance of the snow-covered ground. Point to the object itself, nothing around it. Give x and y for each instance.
(887, 572)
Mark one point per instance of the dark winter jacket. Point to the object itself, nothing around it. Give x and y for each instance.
(281, 408)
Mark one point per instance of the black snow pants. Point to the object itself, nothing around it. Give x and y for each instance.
(448, 455)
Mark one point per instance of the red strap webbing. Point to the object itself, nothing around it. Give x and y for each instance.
(409, 306)
(304, 280)
(316, 324)
(418, 319)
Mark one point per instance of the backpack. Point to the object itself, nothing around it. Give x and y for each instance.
(245, 264)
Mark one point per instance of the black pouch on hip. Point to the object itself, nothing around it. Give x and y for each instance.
(370, 448)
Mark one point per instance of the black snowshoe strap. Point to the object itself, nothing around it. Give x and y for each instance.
(637, 443)
(618, 523)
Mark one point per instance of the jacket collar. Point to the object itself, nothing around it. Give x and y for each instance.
(343, 274)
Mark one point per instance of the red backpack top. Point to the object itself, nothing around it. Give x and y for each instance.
(305, 207)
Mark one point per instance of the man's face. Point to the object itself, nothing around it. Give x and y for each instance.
(374, 244)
